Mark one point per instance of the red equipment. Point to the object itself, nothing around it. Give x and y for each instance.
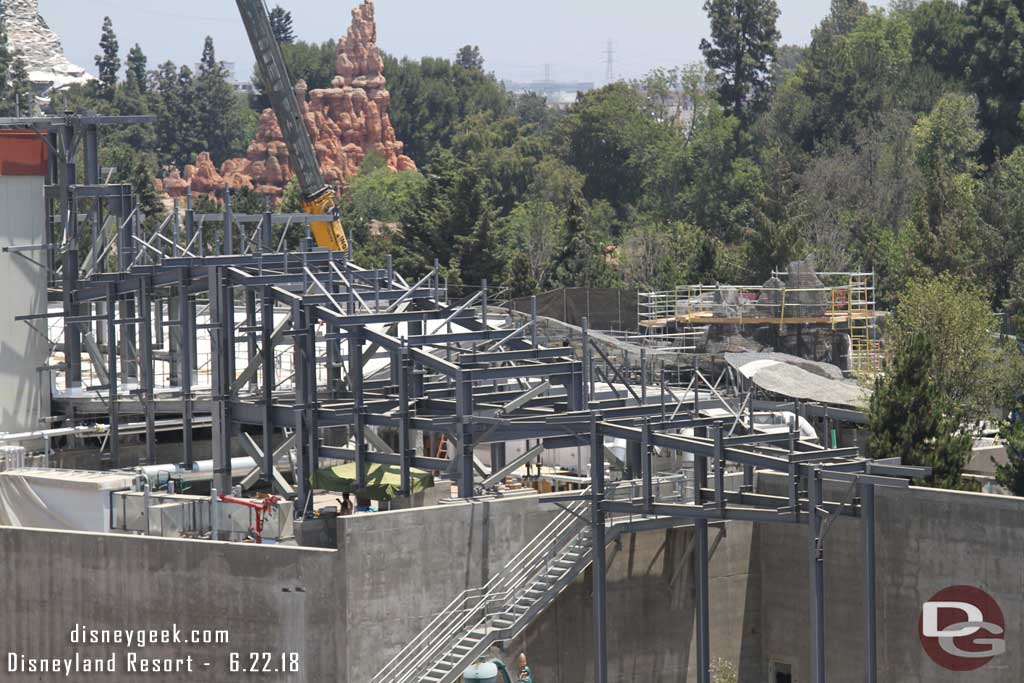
(264, 506)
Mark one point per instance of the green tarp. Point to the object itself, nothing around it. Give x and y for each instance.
(383, 482)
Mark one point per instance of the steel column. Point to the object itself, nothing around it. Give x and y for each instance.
(816, 587)
(599, 585)
(700, 573)
(220, 333)
(867, 520)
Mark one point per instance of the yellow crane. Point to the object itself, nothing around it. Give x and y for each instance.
(318, 198)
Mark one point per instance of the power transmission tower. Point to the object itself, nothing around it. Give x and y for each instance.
(609, 61)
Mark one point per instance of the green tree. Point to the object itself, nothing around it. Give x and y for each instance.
(136, 75)
(1001, 205)
(995, 67)
(22, 95)
(842, 18)
(141, 180)
(581, 262)
(220, 114)
(1010, 474)
(911, 419)
(940, 35)
(722, 184)
(5, 67)
(847, 83)
(612, 137)
(478, 252)
(281, 24)
(378, 199)
(469, 58)
(742, 48)
(431, 97)
(946, 143)
(177, 125)
(969, 366)
(108, 62)
(655, 256)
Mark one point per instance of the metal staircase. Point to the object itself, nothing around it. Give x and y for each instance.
(500, 610)
(516, 595)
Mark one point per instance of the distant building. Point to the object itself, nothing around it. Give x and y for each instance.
(560, 94)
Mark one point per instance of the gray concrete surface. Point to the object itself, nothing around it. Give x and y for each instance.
(650, 612)
(399, 569)
(346, 612)
(927, 540)
(270, 599)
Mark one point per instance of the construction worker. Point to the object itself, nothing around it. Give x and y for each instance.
(525, 675)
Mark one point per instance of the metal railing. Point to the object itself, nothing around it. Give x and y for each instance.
(565, 539)
(463, 613)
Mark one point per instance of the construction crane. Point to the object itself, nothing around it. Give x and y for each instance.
(318, 197)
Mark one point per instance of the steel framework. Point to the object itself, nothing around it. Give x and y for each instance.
(371, 361)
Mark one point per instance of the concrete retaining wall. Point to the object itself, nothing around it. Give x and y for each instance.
(926, 540)
(269, 598)
(346, 612)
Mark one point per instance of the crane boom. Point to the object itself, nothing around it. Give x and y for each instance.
(318, 197)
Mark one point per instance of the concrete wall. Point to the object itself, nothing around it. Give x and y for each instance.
(401, 568)
(348, 611)
(24, 390)
(926, 540)
(650, 612)
(270, 598)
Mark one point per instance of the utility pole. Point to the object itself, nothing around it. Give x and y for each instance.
(609, 61)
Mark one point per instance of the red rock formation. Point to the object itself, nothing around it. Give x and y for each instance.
(346, 122)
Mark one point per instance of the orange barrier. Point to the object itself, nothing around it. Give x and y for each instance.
(22, 153)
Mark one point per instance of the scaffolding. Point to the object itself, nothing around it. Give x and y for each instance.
(684, 318)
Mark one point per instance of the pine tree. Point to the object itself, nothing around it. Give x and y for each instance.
(281, 24)
(741, 50)
(216, 105)
(22, 95)
(842, 18)
(141, 180)
(478, 253)
(1010, 475)
(174, 103)
(469, 58)
(136, 75)
(581, 263)
(910, 419)
(108, 62)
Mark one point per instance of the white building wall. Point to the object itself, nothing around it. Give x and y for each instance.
(24, 389)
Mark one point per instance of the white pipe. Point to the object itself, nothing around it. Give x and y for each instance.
(153, 472)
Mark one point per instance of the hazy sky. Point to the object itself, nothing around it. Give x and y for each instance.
(517, 38)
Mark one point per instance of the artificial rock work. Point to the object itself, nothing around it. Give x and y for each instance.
(346, 122)
(29, 36)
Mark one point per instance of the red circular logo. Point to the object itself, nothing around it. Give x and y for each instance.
(962, 628)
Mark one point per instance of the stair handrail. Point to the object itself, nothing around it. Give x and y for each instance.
(560, 536)
(442, 622)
